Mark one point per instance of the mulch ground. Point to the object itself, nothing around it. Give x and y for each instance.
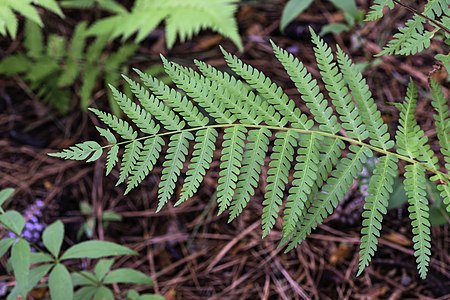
(190, 252)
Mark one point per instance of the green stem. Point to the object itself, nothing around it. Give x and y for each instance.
(301, 131)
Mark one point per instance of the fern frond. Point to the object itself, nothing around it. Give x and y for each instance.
(201, 158)
(174, 100)
(252, 162)
(27, 8)
(309, 89)
(435, 8)
(136, 113)
(231, 162)
(338, 91)
(375, 207)
(269, 90)
(120, 126)
(277, 177)
(249, 115)
(260, 108)
(145, 162)
(304, 177)
(376, 10)
(184, 18)
(333, 191)
(173, 163)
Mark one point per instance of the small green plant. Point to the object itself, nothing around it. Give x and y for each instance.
(323, 170)
(27, 8)
(52, 67)
(91, 221)
(352, 15)
(415, 36)
(184, 18)
(33, 266)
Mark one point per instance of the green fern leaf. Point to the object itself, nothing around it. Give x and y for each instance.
(175, 100)
(258, 109)
(309, 89)
(120, 126)
(140, 117)
(418, 208)
(338, 91)
(412, 142)
(334, 190)
(155, 108)
(173, 163)
(129, 159)
(252, 162)
(371, 116)
(277, 177)
(112, 159)
(376, 10)
(442, 119)
(144, 163)
(304, 177)
(81, 151)
(375, 207)
(201, 159)
(270, 91)
(231, 162)
(200, 90)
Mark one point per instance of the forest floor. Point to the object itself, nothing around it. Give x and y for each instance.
(189, 251)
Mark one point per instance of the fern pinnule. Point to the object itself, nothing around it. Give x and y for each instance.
(277, 177)
(375, 207)
(411, 141)
(305, 176)
(442, 119)
(201, 158)
(231, 162)
(121, 127)
(332, 192)
(129, 159)
(376, 10)
(252, 163)
(337, 90)
(269, 90)
(262, 110)
(370, 115)
(145, 161)
(154, 107)
(309, 90)
(197, 88)
(136, 113)
(173, 99)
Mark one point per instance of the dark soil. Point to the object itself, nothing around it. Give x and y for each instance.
(189, 251)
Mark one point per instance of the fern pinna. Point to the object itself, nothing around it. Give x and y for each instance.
(252, 110)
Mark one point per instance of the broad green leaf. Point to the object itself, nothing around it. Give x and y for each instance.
(53, 237)
(84, 278)
(84, 293)
(60, 283)
(333, 28)
(96, 249)
(103, 293)
(20, 263)
(40, 257)
(13, 220)
(103, 267)
(5, 194)
(127, 275)
(5, 243)
(292, 9)
(36, 275)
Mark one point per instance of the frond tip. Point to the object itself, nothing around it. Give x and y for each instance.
(308, 162)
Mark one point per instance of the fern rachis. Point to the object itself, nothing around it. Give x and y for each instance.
(322, 173)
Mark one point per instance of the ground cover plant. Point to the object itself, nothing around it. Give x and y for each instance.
(314, 138)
